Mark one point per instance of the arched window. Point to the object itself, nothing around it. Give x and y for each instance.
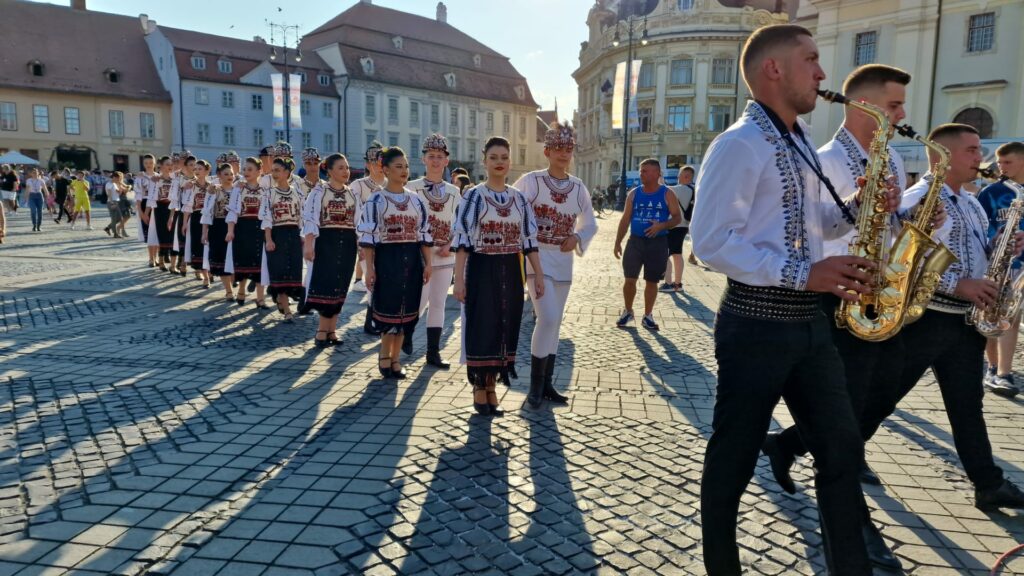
(977, 117)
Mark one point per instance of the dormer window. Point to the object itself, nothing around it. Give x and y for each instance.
(323, 79)
(477, 61)
(35, 68)
(449, 79)
(224, 66)
(367, 63)
(113, 76)
(302, 77)
(521, 92)
(398, 41)
(199, 63)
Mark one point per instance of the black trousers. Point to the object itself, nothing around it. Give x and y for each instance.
(954, 352)
(872, 370)
(759, 363)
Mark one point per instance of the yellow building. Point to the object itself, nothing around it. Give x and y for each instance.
(88, 95)
(971, 71)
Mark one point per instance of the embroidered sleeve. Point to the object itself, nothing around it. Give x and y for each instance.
(175, 194)
(527, 185)
(234, 205)
(152, 193)
(722, 214)
(423, 234)
(586, 224)
(529, 226)
(368, 230)
(188, 201)
(206, 215)
(467, 220)
(311, 210)
(266, 215)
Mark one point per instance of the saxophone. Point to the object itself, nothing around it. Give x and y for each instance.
(991, 322)
(926, 258)
(879, 315)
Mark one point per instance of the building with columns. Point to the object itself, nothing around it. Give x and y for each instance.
(689, 88)
(966, 58)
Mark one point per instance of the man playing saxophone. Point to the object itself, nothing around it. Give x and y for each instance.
(995, 199)
(843, 160)
(941, 340)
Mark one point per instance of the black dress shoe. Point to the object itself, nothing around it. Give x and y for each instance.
(397, 374)
(495, 410)
(868, 476)
(878, 552)
(779, 461)
(1007, 495)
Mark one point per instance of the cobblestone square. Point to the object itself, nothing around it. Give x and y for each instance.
(149, 427)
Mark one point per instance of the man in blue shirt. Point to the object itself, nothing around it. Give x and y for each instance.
(995, 199)
(651, 210)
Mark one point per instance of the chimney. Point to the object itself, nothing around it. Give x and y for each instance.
(442, 13)
(366, 1)
(259, 40)
(78, 5)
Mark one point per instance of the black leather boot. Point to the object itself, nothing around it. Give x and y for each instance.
(434, 349)
(550, 394)
(536, 395)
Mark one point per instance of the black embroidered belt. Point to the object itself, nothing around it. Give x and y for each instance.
(770, 303)
(947, 303)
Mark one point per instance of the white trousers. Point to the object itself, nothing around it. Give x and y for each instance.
(435, 294)
(549, 310)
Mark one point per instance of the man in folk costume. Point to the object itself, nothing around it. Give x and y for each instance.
(565, 228)
(441, 198)
(311, 164)
(281, 150)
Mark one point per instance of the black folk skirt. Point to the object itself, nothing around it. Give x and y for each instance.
(247, 249)
(144, 227)
(218, 246)
(284, 264)
(395, 306)
(195, 240)
(165, 237)
(493, 314)
(179, 218)
(334, 261)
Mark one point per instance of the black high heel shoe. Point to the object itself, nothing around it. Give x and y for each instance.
(321, 343)
(397, 374)
(483, 409)
(385, 371)
(332, 339)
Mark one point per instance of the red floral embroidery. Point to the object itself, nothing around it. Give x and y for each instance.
(338, 213)
(399, 228)
(499, 238)
(553, 227)
(250, 204)
(285, 212)
(198, 201)
(440, 230)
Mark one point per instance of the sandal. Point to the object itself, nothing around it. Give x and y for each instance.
(397, 374)
(240, 301)
(482, 408)
(492, 400)
(321, 343)
(289, 317)
(332, 339)
(384, 371)
(229, 297)
(262, 305)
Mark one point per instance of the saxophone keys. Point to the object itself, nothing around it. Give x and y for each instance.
(890, 296)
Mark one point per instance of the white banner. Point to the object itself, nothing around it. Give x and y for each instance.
(634, 78)
(276, 83)
(619, 92)
(294, 101)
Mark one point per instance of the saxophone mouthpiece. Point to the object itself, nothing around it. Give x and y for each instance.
(988, 172)
(832, 96)
(906, 131)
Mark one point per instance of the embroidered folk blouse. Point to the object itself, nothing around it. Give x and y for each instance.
(490, 222)
(390, 218)
(562, 208)
(245, 202)
(326, 207)
(441, 199)
(281, 207)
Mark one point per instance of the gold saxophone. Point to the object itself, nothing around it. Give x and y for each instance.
(906, 274)
(998, 318)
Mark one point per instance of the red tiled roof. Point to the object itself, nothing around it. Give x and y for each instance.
(430, 49)
(99, 41)
(245, 55)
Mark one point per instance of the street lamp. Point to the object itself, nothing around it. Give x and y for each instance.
(631, 29)
(284, 28)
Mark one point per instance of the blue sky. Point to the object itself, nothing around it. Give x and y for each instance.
(541, 37)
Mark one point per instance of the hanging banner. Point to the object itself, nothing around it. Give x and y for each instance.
(294, 101)
(634, 78)
(275, 82)
(619, 94)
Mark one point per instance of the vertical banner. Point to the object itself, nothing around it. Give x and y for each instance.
(617, 95)
(275, 82)
(634, 78)
(294, 101)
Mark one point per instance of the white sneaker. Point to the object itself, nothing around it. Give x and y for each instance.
(358, 286)
(89, 227)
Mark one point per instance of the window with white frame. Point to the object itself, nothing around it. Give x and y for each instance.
(278, 136)
(227, 99)
(324, 80)
(723, 71)
(646, 78)
(203, 133)
(257, 101)
(522, 155)
(257, 137)
(414, 114)
(199, 63)
(522, 127)
(679, 117)
(370, 107)
(371, 137)
(681, 72)
(981, 32)
(490, 122)
(392, 139)
(719, 117)
(685, 5)
(302, 77)
(414, 146)
(202, 95)
(471, 150)
(8, 116)
(472, 121)
(435, 116)
(72, 125)
(229, 135)
(328, 144)
(865, 48)
(392, 111)
(224, 66)
(328, 109)
(506, 123)
(307, 139)
(115, 121)
(453, 119)
(147, 125)
(645, 114)
(305, 107)
(453, 147)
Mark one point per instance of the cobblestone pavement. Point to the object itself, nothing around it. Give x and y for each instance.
(146, 426)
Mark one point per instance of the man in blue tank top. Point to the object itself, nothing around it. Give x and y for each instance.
(651, 211)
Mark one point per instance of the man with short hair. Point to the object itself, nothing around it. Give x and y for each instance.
(941, 340)
(995, 199)
(684, 192)
(651, 210)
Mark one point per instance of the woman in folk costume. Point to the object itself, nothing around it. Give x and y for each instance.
(245, 234)
(441, 198)
(281, 219)
(215, 228)
(143, 182)
(182, 182)
(364, 188)
(565, 227)
(394, 234)
(192, 202)
(330, 246)
(311, 165)
(160, 216)
(494, 227)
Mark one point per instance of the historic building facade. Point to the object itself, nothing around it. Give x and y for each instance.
(689, 87)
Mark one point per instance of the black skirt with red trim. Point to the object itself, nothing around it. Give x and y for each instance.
(247, 249)
(334, 261)
(179, 218)
(493, 314)
(395, 306)
(195, 232)
(285, 263)
(163, 215)
(218, 246)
